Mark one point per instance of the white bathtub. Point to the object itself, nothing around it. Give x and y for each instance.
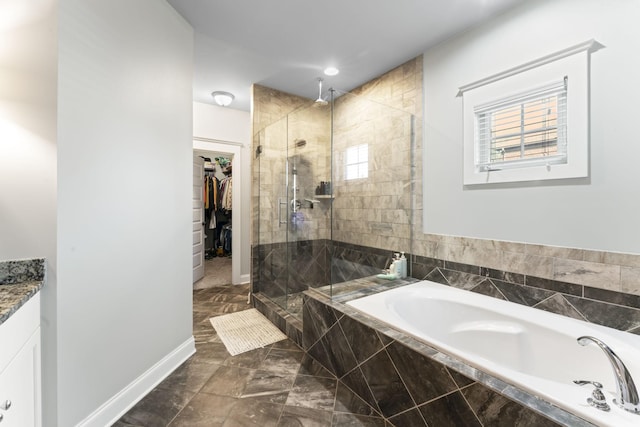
(532, 349)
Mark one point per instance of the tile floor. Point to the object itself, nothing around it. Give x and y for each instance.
(273, 386)
(217, 272)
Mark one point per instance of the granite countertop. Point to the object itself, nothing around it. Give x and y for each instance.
(19, 281)
(14, 296)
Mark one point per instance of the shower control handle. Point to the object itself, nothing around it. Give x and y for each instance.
(597, 398)
(280, 203)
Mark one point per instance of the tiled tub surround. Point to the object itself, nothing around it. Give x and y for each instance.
(19, 281)
(411, 383)
(615, 309)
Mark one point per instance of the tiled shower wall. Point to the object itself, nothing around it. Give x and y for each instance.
(269, 107)
(298, 266)
(291, 267)
(289, 251)
(298, 132)
(373, 211)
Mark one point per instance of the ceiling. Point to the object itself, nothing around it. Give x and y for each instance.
(286, 44)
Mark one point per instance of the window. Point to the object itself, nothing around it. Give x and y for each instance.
(523, 130)
(357, 162)
(529, 122)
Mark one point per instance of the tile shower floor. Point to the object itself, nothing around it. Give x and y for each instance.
(273, 386)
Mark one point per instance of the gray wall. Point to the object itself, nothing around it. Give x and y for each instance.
(124, 190)
(599, 213)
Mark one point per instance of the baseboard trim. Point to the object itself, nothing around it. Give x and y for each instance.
(125, 399)
(245, 278)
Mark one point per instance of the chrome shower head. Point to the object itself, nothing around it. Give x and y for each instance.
(320, 101)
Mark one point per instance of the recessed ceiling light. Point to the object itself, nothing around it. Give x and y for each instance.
(222, 98)
(331, 71)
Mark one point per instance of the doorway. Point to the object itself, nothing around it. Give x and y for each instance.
(213, 226)
(222, 267)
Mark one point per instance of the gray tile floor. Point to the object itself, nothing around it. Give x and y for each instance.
(217, 272)
(273, 386)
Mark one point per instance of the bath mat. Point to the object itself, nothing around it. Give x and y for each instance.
(245, 330)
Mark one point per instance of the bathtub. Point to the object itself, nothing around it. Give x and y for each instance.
(531, 349)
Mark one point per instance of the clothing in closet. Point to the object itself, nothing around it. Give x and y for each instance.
(218, 206)
(225, 193)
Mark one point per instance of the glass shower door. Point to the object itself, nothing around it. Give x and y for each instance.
(294, 220)
(272, 270)
(308, 161)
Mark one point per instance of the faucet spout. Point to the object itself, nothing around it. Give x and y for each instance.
(627, 392)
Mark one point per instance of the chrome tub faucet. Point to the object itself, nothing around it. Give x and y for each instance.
(627, 392)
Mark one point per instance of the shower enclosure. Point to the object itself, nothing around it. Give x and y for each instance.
(334, 196)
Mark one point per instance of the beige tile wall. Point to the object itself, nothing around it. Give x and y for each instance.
(373, 211)
(313, 125)
(282, 120)
(270, 105)
(377, 212)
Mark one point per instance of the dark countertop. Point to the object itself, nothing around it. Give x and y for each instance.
(14, 296)
(20, 280)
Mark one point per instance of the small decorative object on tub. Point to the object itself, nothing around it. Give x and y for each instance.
(390, 274)
(403, 266)
(597, 398)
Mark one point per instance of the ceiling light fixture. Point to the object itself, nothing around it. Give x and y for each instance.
(331, 71)
(222, 98)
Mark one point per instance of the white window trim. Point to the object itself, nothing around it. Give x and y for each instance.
(572, 62)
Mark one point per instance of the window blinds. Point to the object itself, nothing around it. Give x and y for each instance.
(526, 129)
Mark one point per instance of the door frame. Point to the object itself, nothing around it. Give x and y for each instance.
(238, 238)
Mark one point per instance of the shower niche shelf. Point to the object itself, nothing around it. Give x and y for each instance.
(323, 196)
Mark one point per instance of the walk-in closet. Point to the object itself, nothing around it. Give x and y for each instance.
(215, 231)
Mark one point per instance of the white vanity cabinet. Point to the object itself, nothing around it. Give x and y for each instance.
(20, 388)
